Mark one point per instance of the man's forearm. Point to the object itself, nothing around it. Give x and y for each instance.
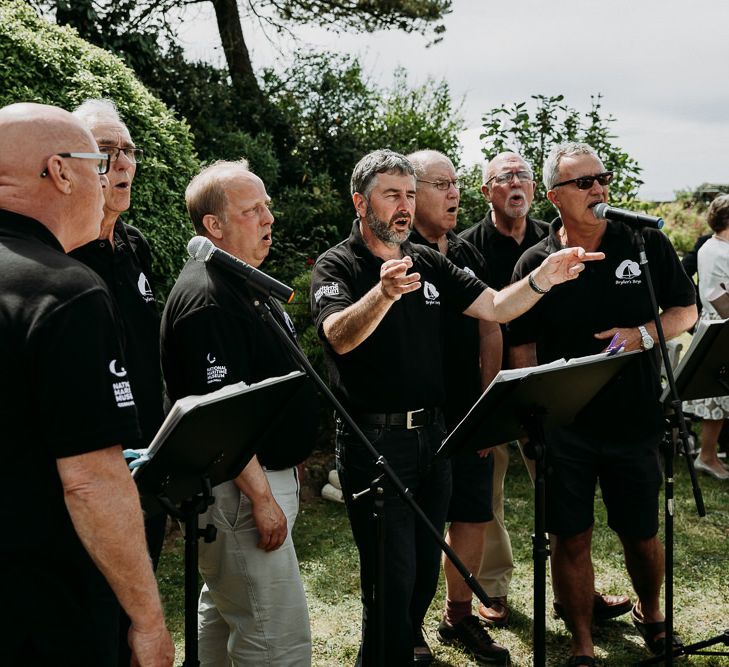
(103, 503)
(350, 327)
(490, 351)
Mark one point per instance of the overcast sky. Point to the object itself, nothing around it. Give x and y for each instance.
(662, 67)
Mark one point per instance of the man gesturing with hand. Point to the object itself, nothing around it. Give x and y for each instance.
(377, 300)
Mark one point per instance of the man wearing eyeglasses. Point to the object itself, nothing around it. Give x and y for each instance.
(122, 257)
(66, 404)
(377, 301)
(471, 359)
(616, 436)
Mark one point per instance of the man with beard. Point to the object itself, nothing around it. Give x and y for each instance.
(471, 359)
(382, 338)
(615, 437)
(501, 237)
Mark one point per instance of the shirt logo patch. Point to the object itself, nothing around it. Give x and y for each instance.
(214, 373)
(289, 323)
(145, 289)
(431, 294)
(627, 273)
(123, 394)
(330, 290)
(469, 271)
(119, 372)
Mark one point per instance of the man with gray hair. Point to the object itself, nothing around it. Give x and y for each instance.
(615, 437)
(377, 301)
(66, 406)
(122, 257)
(252, 608)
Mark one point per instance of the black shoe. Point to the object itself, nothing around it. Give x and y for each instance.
(470, 635)
(422, 655)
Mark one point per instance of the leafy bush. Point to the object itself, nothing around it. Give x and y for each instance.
(45, 63)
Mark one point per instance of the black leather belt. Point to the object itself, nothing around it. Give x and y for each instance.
(410, 419)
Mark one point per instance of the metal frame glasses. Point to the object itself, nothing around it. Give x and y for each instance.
(585, 182)
(103, 161)
(508, 177)
(134, 155)
(442, 185)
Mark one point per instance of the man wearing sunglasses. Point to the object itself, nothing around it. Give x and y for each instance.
(66, 405)
(616, 436)
(122, 257)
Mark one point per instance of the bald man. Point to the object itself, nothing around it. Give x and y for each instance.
(65, 406)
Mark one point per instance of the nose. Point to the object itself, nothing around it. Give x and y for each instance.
(596, 188)
(122, 161)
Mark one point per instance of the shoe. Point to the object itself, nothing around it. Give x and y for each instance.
(649, 631)
(707, 469)
(330, 492)
(497, 615)
(604, 607)
(422, 655)
(470, 635)
(334, 479)
(581, 661)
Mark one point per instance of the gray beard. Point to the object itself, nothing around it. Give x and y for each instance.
(382, 230)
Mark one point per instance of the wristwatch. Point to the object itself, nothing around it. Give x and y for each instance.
(646, 340)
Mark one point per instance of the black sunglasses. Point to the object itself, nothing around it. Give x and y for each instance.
(585, 182)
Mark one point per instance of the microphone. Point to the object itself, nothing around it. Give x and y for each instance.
(202, 249)
(603, 211)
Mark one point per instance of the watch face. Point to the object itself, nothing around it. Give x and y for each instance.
(647, 342)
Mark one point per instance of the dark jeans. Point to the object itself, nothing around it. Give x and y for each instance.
(412, 556)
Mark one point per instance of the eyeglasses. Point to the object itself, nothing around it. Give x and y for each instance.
(443, 185)
(102, 161)
(134, 155)
(508, 177)
(585, 182)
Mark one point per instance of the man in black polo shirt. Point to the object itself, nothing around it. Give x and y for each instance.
(65, 403)
(122, 257)
(381, 326)
(252, 608)
(471, 359)
(615, 438)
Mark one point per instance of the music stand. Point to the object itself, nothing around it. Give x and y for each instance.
(202, 444)
(703, 372)
(531, 402)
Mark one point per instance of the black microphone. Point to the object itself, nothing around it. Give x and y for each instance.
(603, 211)
(202, 249)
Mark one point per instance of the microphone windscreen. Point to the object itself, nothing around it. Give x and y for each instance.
(599, 210)
(199, 248)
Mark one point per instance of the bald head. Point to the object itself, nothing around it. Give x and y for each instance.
(68, 200)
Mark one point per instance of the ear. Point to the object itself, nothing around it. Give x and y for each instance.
(58, 173)
(485, 192)
(360, 204)
(213, 226)
(552, 196)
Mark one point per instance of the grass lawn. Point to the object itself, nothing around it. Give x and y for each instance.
(330, 572)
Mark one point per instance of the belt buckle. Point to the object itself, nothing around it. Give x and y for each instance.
(409, 414)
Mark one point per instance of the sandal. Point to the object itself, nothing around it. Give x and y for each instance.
(581, 661)
(649, 631)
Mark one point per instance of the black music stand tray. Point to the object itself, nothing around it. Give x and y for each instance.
(205, 441)
(531, 402)
(702, 372)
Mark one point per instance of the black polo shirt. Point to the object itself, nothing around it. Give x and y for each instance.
(502, 252)
(212, 336)
(609, 293)
(64, 388)
(461, 351)
(126, 268)
(399, 366)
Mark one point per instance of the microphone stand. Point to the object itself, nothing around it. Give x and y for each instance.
(265, 306)
(678, 420)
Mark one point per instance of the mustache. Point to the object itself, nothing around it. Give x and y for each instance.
(400, 217)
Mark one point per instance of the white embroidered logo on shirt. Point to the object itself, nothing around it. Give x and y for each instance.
(330, 290)
(217, 373)
(431, 294)
(119, 372)
(145, 289)
(627, 273)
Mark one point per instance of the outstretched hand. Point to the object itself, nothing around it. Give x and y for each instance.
(395, 279)
(564, 265)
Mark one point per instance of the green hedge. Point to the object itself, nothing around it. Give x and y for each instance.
(43, 62)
